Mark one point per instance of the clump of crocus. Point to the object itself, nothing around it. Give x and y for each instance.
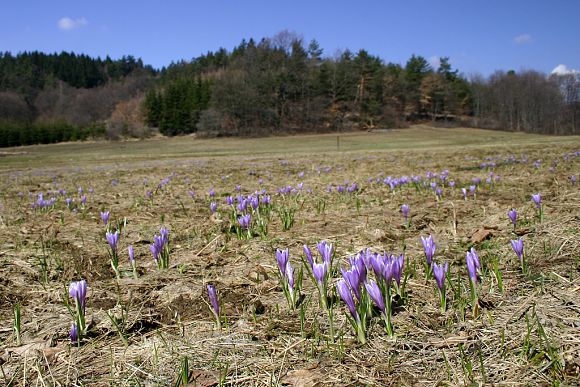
(473, 264)
(513, 215)
(244, 226)
(291, 284)
(537, 199)
(439, 272)
(113, 241)
(429, 247)
(160, 248)
(131, 252)
(518, 247)
(405, 211)
(78, 292)
(105, 217)
(386, 268)
(215, 304)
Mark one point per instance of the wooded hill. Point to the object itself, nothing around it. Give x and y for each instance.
(275, 85)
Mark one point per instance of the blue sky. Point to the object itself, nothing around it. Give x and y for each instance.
(478, 36)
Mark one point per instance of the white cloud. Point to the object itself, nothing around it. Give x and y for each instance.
(523, 39)
(67, 24)
(562, 69)
(435, 62)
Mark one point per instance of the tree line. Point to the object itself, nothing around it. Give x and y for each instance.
(276, 85)
(281, 84)
(41, 92)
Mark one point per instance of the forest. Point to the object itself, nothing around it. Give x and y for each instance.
(275, 85)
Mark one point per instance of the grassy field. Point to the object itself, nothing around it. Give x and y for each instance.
(418, 137)
(148, 325)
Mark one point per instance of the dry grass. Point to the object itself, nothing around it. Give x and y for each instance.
(166, 316)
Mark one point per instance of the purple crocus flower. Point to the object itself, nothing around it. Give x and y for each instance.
(84, 200)
(472, 189)
(377, 262)
(213, 299)
(154, 252)
(74, 334)
(518, 247)
(238, 188)
(131, 254)
(398, 264)
(319, 271)
(164, 233)
(282, 259)
(358, 262)
(68, 201)
(439, 192)
(405, 211)
(473, 264)
(78, 291)
(213, 207)
(464, 191)
(254, 202)
(513, 215)
(439, 272)
(537, 199)
(325, 250)
(346, 295)
(245, 221)
(352, 188)
(113, 240)
(354, 279)
(266, 199)
(375, 293)
(388, 268)
(211, 193)
(229, 200)
(242, 205)
(429, 246)
(105, 217)
(308, 254)
(573, 179)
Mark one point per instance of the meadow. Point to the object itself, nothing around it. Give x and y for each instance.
(420, 256)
